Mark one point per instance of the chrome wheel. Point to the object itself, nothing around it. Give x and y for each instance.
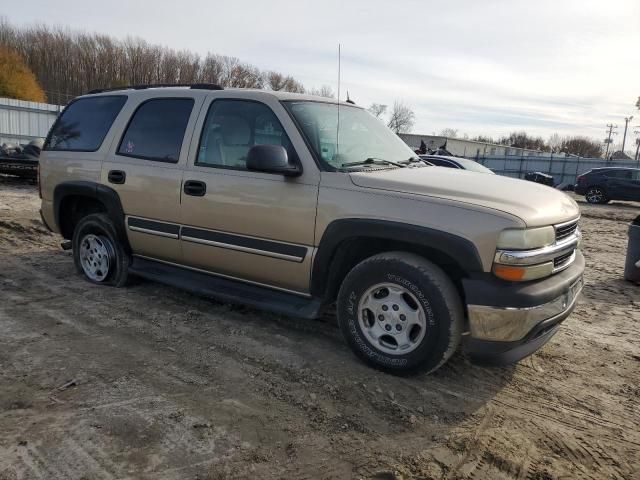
(392, 319)
(96, 256)
(595, 195)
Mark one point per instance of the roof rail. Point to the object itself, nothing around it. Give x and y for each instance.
(195, 86)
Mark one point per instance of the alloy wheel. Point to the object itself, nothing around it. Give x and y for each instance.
(96, 256)
(392, 319)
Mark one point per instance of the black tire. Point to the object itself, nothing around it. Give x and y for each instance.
(596, 195)
(100, 226)
(434, 290)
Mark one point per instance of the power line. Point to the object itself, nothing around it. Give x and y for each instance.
(608, 141)
(626, 124)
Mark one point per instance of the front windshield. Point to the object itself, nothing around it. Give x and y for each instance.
(361, 136)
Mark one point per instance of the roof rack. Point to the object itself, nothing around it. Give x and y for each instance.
(195, 86)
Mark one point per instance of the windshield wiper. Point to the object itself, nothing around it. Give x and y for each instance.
(372, 161)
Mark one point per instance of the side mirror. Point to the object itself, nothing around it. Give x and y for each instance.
(271, 159)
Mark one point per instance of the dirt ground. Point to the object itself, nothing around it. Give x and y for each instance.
(150, 382)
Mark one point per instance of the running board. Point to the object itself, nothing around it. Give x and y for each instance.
(227, 290)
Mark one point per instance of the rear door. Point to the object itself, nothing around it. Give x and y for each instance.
(634, 186)
(145, 169)
(253, 226)
(620, 185)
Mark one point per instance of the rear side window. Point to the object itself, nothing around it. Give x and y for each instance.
(618, 174)
(442, 163)
(83, 125)
(156, 130)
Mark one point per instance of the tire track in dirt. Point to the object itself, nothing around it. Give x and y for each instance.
(279, 397)
(460, 392)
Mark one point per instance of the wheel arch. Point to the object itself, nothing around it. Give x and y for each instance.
(346, 242)
(75, 199)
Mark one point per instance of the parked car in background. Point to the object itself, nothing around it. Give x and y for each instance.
(455, 162)
(539, 177)
(21, 160)
(599, 185)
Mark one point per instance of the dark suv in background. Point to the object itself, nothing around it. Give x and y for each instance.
(600, 185)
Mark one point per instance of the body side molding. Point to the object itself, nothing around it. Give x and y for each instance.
(231, 241)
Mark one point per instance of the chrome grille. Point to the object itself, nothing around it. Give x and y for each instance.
(565, 230)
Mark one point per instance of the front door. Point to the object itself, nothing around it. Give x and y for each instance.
(145, 169)
(252, 226)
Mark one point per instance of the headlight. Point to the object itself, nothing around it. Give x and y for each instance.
(526, 239)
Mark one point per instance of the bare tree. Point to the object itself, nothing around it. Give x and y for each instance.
(324, 91)
(402, 118)
(278, 81)
(449, 132)
(554, 143)
(68, 63)
(582, 146)
(377, 109)
(483, 139)
(524, 140)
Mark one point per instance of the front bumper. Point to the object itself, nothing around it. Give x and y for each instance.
(509, 321)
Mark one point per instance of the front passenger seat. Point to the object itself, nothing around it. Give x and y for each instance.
(236, 138)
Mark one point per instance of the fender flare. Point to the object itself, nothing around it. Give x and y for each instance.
(463, 251)
(105, 195)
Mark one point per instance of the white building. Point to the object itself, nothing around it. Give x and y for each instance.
(21, 122)
(467, 148)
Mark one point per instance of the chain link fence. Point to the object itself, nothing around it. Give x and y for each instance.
(563, 169)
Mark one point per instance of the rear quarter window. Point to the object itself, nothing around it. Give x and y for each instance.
(618, 174)
(85, 122)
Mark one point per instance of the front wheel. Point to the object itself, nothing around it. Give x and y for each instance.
(400, 312)
(97, 253)
(596, 195)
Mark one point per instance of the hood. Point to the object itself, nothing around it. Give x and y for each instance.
(536, 204)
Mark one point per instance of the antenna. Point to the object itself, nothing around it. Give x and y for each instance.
(338, 125)
(349, 100)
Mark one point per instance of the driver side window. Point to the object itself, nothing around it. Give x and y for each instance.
(232, 127)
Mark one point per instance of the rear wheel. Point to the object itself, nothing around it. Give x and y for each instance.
(596, 195)
(97, 253)
(400, 312)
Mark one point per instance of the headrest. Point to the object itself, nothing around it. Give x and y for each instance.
(235, 131)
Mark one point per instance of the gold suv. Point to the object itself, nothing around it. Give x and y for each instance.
(292, 203)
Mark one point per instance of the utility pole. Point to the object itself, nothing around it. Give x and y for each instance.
(626, 124)
(608, 141)
(637, 132)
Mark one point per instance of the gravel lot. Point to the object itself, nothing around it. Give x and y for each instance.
(150, 382)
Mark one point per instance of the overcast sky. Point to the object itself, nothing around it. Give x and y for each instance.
(481, 66)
